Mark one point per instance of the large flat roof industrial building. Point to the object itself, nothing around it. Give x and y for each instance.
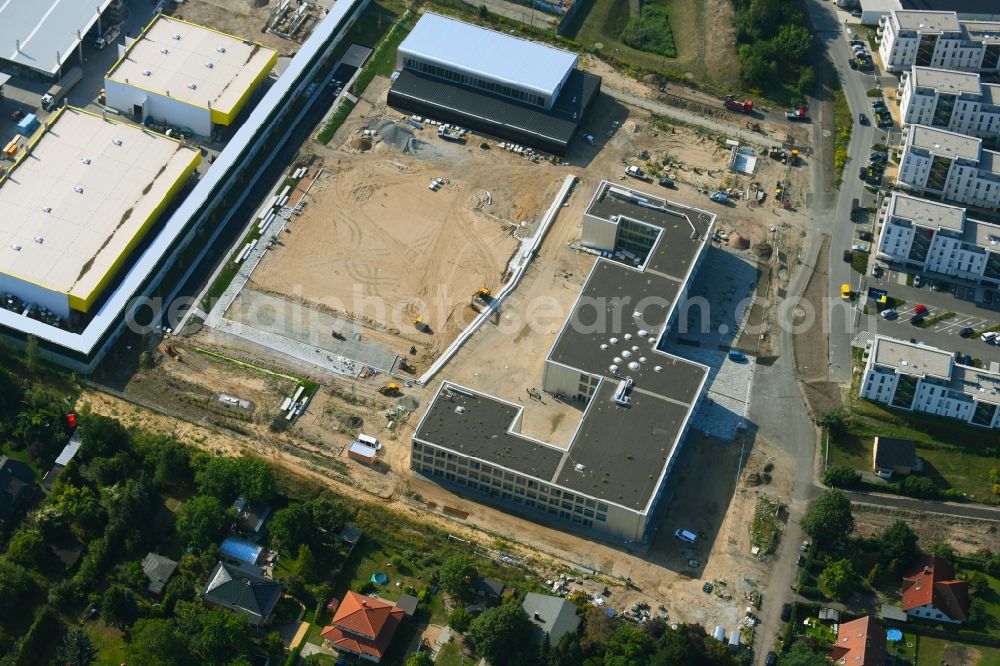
(77, 200)
(40, 37)
(486, 80)
(638, 400)
(187, 75)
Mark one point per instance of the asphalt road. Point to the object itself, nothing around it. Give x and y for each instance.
(830, 31)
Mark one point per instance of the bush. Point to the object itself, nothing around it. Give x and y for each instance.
(840, 476)
(650, 32)
(918, 486)
(460, 619)
(810, 592)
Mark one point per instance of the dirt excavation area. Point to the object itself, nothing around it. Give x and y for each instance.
(247, 19)
(966, 535)
(380, 247)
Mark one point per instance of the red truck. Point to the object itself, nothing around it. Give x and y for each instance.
(746, 106)
(797, 115)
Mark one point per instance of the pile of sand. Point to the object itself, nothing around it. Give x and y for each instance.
(631, 127)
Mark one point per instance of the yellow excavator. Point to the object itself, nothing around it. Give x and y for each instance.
(481, 298)
(391, 389)
(421, 325)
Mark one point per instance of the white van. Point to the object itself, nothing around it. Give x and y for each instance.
(368, 440)
(989, 336)
(684, 535)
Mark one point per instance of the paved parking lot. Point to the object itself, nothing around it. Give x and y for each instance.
(960, 299)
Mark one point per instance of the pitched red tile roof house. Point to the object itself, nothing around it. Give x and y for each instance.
(363, 626)
(860, 642)
(934, 593)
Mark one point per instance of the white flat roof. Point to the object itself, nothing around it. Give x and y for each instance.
(43, 29)
(926, 213)
(946, 80)
(926, 21)
(912, 359)
(95, 210)
(172, 55)
(474, 50)
(945, 143)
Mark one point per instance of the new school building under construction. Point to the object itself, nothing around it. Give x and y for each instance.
(635, 400)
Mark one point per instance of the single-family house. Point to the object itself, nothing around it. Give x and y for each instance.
(489, 590)
(933, 592)
(554, 616)
(894, 456)
(158, 570)
(860, 642)
(17, 483)
(242, 591)
(363, 626)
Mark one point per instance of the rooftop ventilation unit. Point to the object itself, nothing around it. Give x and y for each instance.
(221, 49)
(209, 65)
(164, 50)
(622, 392)
(146, 72)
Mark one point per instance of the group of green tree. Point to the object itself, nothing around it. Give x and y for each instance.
(111, 502)
(774, 44)
(887, 556)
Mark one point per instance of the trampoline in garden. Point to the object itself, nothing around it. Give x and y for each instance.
(379, 578)
(894, 635)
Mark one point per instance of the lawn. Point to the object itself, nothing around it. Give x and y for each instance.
(843, 121)
(108, 642)
(451, 655)
(936, 651)
(905, 648)
(955, 455)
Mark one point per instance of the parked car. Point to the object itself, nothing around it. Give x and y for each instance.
(772, 659)
(989, 336)
(918, 281)
(845, 291)
(738, 356)
(878, 271)
(889, 314)
(685, 535)
(859, 247)
(786, 612)
(863, 119)
(865, 235)
(920, 309)
(917, 319)
(966, 332)
(847, 255)
(666, 182)
(936, 285)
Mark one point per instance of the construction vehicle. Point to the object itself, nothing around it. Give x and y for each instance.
(481, 297)
(746, 106)
(421, 325)
(391, 390)
(798, 115)
(337, 335)
(171, 351)
(59, 89)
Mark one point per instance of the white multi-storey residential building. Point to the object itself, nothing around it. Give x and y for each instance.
(956, 101)
(938, 39)
(915, 377)
(950, 166)
(931, 236)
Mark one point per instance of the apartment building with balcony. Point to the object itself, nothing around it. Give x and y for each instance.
(930, 236)
(918, 378)
(956, 101)
(949, 166)
(938, 39)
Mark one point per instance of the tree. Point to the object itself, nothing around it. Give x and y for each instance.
(155, 643)
(200, 522)
(978, 584)
(689, 644)
(457, 574)
(228, 478)
(305, 565)
(104, 436)
(919, 486)
(792, 44)
(216, 635)
(835, 422)
(978, 612)
(32, 355)
(807, 77)
(483, 13)
(420, 659)
(803, 655)
(16, 585)
(76, 649)
(292, 526)
(839, 580)
(28, 548)
(629, 645)
(840, 476)
(460, 619)
(898, 543)
(829, 519)
(119, 607)
(500, 635)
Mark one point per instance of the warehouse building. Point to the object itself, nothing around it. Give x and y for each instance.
(938, 39)
(78, 199)
(956, 101)
(191, 230)
(42, 39)
(494, 83)
(938, 238)
(186, 75)
(637, 400)
(950, 166)
(915, 377)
